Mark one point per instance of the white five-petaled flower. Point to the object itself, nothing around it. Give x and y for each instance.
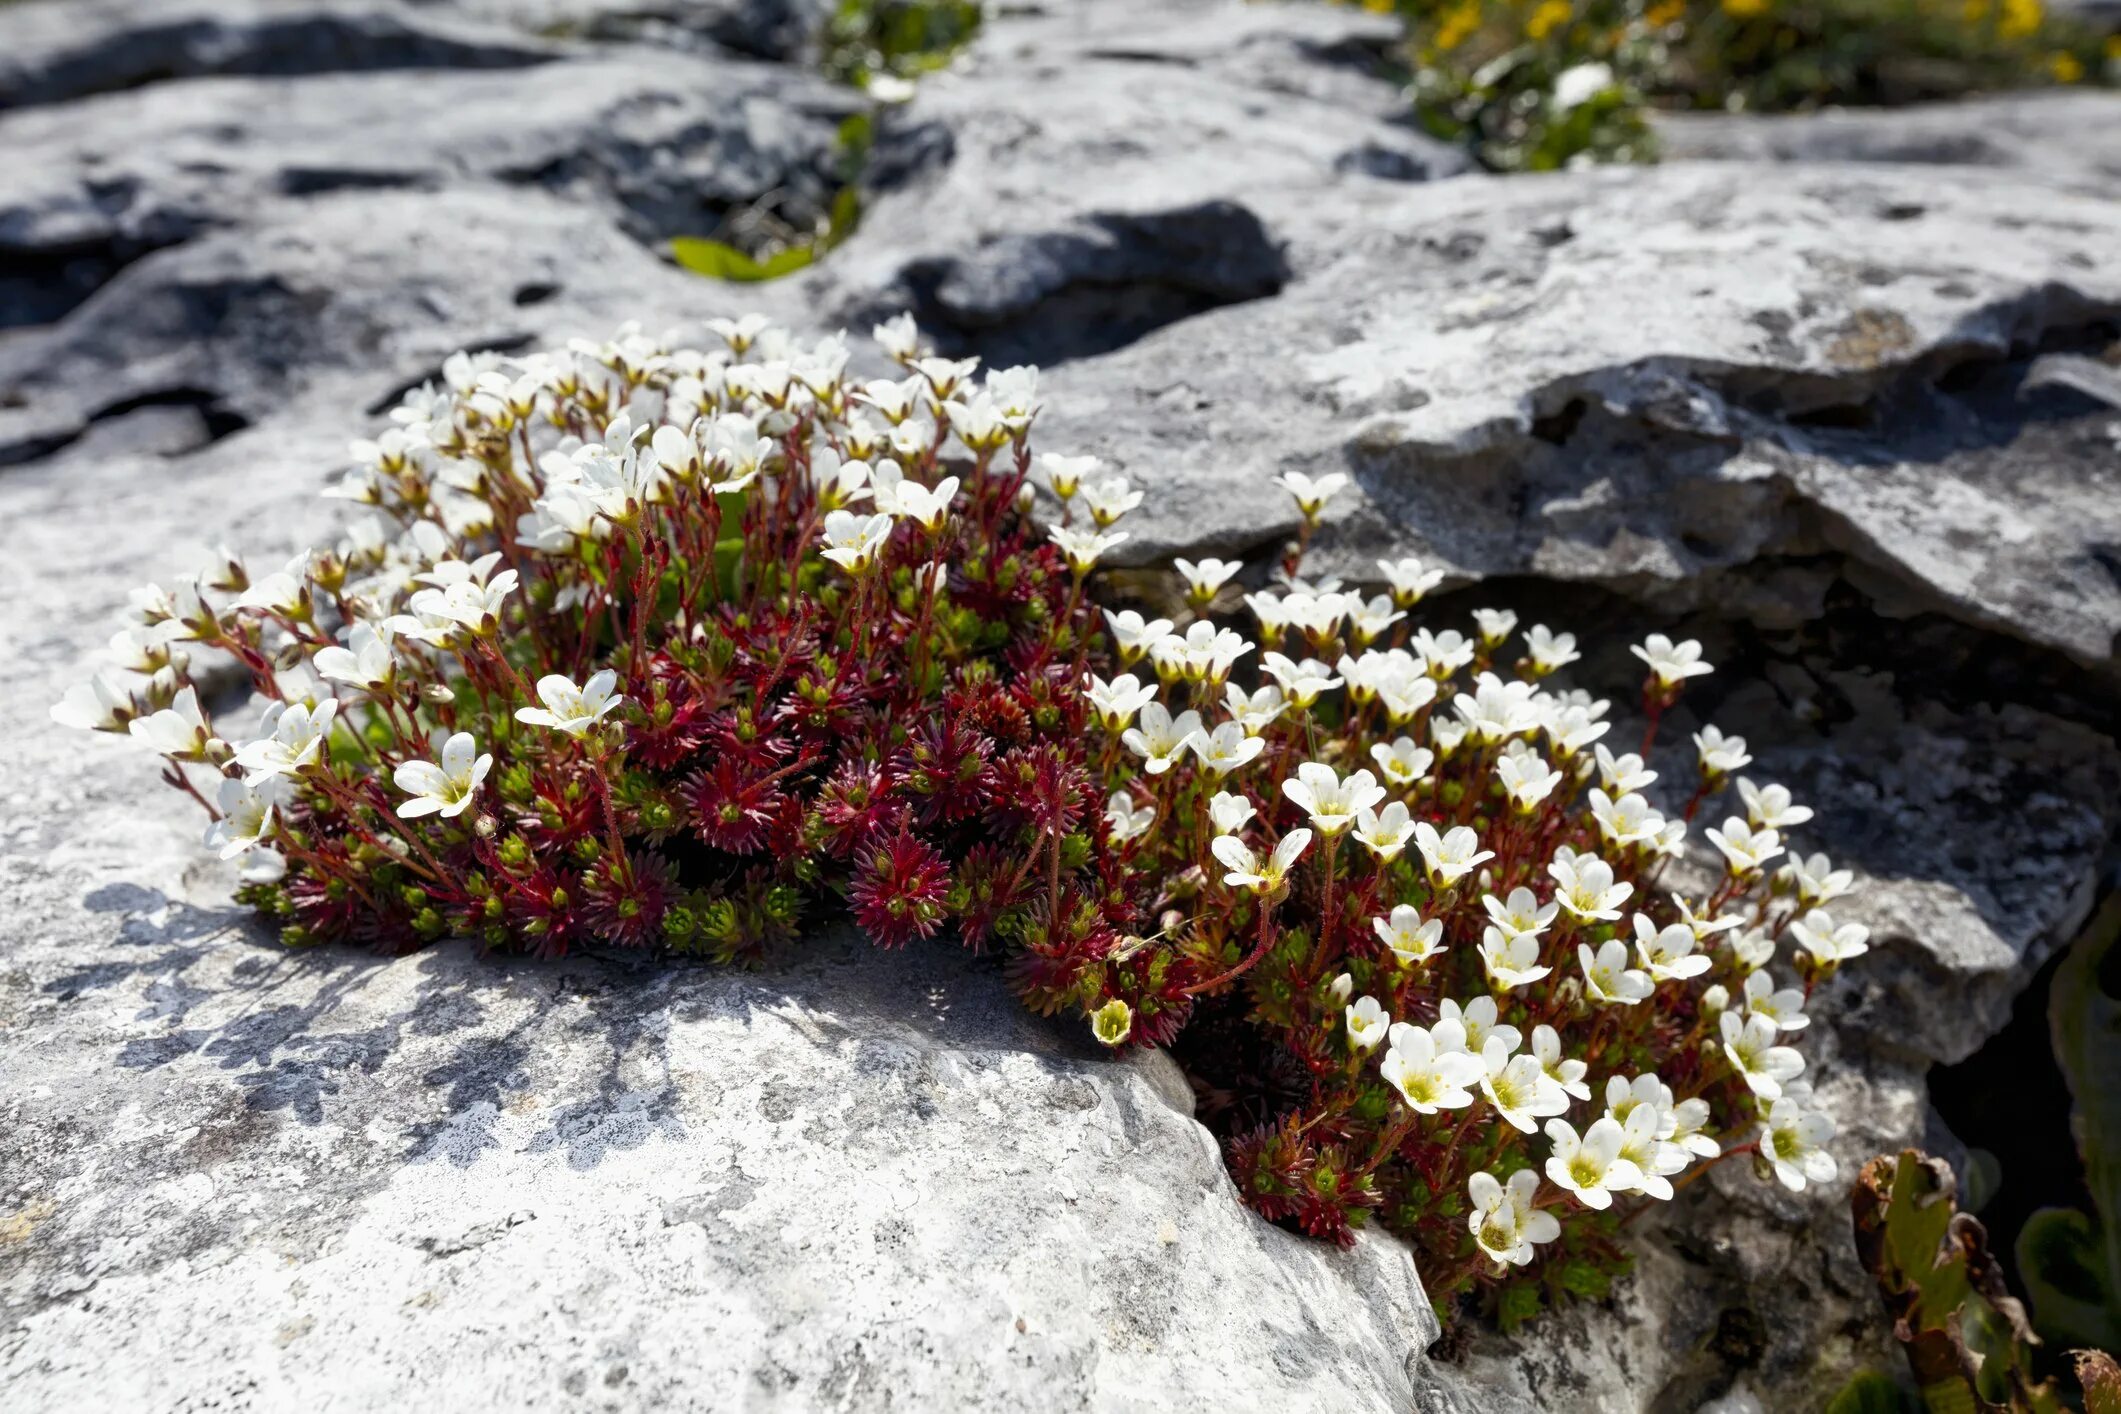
(1303, 681)
(293, 740)
(1367, 1023)
(178, 730)
(1117, 701)
(1607, 976)
(365, 662)
(1124, 820)
(570, 709)
(1815, 879)
(1527, 778)
(1312, 494)
(447, 789)
(1205, 578)
(1671, 663)
(926, 506)
(1133, 634)
(1589, 1165)
(1427, 1075)
(1587, 888)
(1623, 775)
(1784, 1007)
(1667, 953)
(1795, 1145)
(852, 540)
(1521, 914)
(1503, 1221)
(1720, 754)
(1548, 651)
(1404, 762)
(1332, 803)
(1689, 1121)
(1750, 1047)
(1768, 807)
(246, 814)
(1511, 960)
(1452, 855)
(1228, 812)
(1474, 1023)
(1443, 654)
(1108, 499)
(1830, 942)
(1411, 939)
(1225, 749)
(1083, 548)
(1384, 833)
(1409, 580)
(1627, 821)
(1160, 739)
(1063, 476)
(1246, 870)
(1518, 1086)
(1254, 711)
(1566, 1072)
(1745, 849)
(96, 705)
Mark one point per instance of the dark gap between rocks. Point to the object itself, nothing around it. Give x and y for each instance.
(42, 286)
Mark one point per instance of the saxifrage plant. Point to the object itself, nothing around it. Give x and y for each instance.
(651, 647)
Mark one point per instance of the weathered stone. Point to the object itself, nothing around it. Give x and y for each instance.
(2068, 134)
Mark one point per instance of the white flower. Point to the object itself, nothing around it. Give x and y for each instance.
(1503, 1221)
(1830, 942)
(1527, 778)
(246, 815)
(1590, 1166)
(1750, 1047)
(1408, 580)
(1574, 87)
(1626, 821)
(283, 591)
(1521, 914)
(1768, 807)
(1785, 1007)
(96, 705)
(1403, 762)
(1384, 833)
(1228, 813)
(1109, 499)
(1452, 856)
(1572, 727)
(474, 605)
(1160, 739)
(1411, 940)
(1368, 620)
(1494, 625)
(1133, 634)
(1225, 749)
(1084, 547)
(1704, 927)
(1405, 695)
(1428, 1077)
(1473, 1024)
(1746, 849)
(928, 507)
(1689, 1118)
(365, 662)
(1586, 884)
(446, 789)
(295, 734)
(1720, 754)
(1205, 578)
(1640, 1146)
(1518, 1087)
(1795, 1145)
(1607, 976)
(1623, 775)
(978, 422)
(1246, 871)
(570, 709)
(178, 730)
(1126, 820)
(1668, 953)
(1063, 476)
(1443, 654)
(1816, 880)
(1258, 710)
(1367, 1023)
(1567, 1073)
(1511, 960)
(1311, 494)
(1332, 803)
(1671, 663)
(899, 337)
(1549, 651)
(1117, 701)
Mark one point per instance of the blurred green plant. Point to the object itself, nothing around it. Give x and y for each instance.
(1537, 84)
(755, 244)
(2071, 1260)
(901, 39)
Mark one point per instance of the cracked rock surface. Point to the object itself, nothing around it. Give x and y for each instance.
(1833, 394)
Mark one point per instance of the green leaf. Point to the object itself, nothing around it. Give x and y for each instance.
(2085, 1017)
(1870, 1392)
(720, 261)
(2059, 1258)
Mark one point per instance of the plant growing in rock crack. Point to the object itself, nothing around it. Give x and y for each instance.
(654, 647)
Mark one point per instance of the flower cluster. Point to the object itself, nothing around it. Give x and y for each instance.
(641, 646)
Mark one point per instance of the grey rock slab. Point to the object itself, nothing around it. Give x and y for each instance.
(768, 29)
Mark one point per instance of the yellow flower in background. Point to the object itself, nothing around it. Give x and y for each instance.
(2066, 67)
(1746, 9)
(2020, 18)
(1665, 12)
(1458, 23)
(1550, 16)
(1975, 11)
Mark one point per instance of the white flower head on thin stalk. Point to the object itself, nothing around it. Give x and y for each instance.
(1587, 887)
(1303, 681)
(1623, 775)
(1640, 1146)
(1160, 739)
(1367, 1023)
(1429, 1077)
(1109, 499)
(1795, 1145)
(1254, 711)
(294, 740)
(1083, 548)
(1564, 1071)
(1750, 1047)
(1769, 807)
(1331, 802)
(1384, 833)
(1224, 750)
(1589, 1165)
(1474, 1023)
(1312, 494)
(1829, 942)
(1815, 880)
(178, 731)
(1784, 1007)
(1625, 822)
(1671, 663)
(1521, 914)
(1403, 763)
(570, 709)
(1368, 621)
(1412, 939)
(1063, 476)
(366, 662)
(1229, 813)
(1341, 988)
(447, 789)
(1494, 626)
(1496, 710)
(1518, 1087)
(1205, 579)
(1117, 701)
(1667, 953)
(1246, 869)
(1124, 820)
(1527, 779)
(1510, 962)
(1443, 654)
(1720, 755)
(1548, 652)
(97, 705)
(1452, 855)
(926, 506)
(1503, 1221)
(1690, 1120)
(853, 541)
(1408, 579)
(1745, 849)
(1132, 634)
(1607, 976)
(246, 814)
